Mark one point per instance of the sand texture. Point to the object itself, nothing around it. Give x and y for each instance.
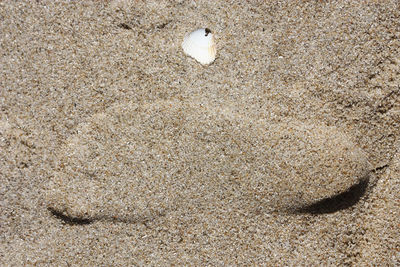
(117, 149)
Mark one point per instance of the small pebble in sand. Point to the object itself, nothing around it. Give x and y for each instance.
(200, 45)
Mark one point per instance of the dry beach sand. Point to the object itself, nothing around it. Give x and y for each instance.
(116, 149)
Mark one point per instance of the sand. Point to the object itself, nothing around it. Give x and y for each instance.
(117, 149)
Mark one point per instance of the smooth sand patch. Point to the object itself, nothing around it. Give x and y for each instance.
(140, 160)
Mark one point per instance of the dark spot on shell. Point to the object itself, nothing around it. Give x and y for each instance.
(208, 31)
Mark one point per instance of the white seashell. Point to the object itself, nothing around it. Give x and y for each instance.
(200, 45)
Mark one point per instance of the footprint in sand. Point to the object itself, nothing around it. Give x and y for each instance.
(138, 161)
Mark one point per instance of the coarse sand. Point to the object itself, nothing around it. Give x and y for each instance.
(117, 149)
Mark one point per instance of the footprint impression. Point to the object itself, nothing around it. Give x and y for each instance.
(138, 161)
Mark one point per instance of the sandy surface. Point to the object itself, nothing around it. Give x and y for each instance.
(118, 149)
